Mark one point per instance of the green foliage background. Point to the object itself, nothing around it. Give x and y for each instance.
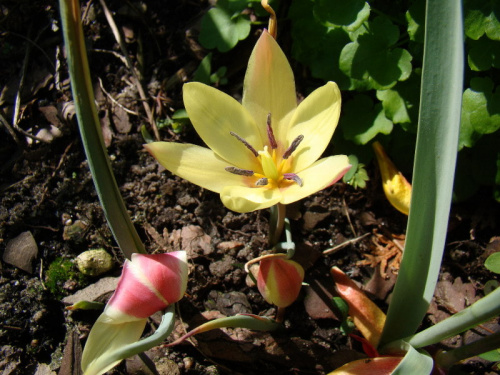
(374, 51)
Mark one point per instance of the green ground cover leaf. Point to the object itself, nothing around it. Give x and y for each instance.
(349, 14)
(481, 17)
(480, 111)
(316, 45)
(401, 102)
(372, 61)
(484, 53)
(221, 28)
(492, 263)
(363, 120)
(415, 16)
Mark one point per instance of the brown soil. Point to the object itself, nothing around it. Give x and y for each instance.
(47, 190)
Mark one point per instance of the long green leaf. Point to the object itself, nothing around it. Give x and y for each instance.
(434, 168)
(414, 361)
(88, 121)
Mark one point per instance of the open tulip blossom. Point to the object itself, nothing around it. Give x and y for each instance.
(149, 283)
(265, 150)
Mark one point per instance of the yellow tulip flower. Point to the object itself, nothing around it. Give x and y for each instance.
(265, 150)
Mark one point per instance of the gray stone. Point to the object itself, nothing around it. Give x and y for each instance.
(21, 252)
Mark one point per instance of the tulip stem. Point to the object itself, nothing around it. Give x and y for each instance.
(273, 24)
(276, 223)
(280, 314)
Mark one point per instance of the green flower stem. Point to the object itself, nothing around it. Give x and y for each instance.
(447, 359)
(276, 223)
(88, 121)
(486, 308)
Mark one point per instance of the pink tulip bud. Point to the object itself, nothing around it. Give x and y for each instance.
(148, 284)
(279, 280)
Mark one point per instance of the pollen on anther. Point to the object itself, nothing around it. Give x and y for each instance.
(247, 145)
(262, 181)
(239, 171)
(293, 146)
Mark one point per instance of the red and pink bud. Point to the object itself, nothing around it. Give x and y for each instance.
(279, 280)
(148, 284)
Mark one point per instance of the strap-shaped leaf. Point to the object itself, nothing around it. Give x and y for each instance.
(435, 159)
(88, 121)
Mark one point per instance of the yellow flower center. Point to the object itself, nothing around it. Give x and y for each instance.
(274, 172)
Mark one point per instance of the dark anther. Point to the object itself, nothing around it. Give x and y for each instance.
(238, 171)
(247, 145)
(262, 181)
(293, 177)
(270, 134)
(293, 146)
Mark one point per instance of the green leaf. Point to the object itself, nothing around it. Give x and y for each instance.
(401, 103)
(350, 14)
(435, 158)
(414, 361)
(480, 111)
(483, 54)
(317, 46)
(202, 73)
(362, 120)
(357, 175)
(371, 60)
(481, 17)
(416, 19)
(222, 30)
(492, 356)
(493, 263)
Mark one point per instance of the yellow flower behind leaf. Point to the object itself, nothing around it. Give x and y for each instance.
(396, 188)
(265, 150)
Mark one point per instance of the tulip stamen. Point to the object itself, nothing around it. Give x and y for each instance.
(293, 146)
(239, 171)
(293, 177)
(270, 134)
(247, 145)
(262, 181)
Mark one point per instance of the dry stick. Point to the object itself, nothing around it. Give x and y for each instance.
(344, 205)
(114, 100)
(138, 84)
(344, 244)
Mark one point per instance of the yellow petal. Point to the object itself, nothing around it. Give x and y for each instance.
(247, 199)
(214, 115)
(396, 188)
(318, 176)
(269, 86)
(104, 339)
(316, 119)
(199, 165)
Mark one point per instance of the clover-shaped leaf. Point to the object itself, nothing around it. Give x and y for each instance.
(483, 54)
(349, 14)
(222, 29)
(316, 45)
(480, 111)
(371, 60)
(362, 120)
(416, 19)
(401, 102)
(481, 17)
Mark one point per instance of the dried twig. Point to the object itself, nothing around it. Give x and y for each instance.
(344, 244)
(130, 66)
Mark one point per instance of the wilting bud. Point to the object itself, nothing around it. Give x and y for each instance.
(149, 283)
(279, 280)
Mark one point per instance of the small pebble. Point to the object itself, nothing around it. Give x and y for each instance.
(94, 262)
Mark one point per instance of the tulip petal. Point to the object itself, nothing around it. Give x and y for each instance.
(316, 118)
(279, 280)
(247, 199)
(396, 188)
(214, 115)
(269, 86)
(372, 366)
(318, 176)
(105, 338)
(199, 165)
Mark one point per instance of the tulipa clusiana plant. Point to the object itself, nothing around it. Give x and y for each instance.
(265, 153)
